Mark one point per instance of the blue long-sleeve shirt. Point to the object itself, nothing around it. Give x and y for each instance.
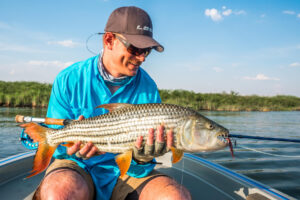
(78, 90)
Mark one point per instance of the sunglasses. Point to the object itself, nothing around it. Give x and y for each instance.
(132, 49)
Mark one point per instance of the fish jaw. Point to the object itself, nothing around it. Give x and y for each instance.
(201, 135)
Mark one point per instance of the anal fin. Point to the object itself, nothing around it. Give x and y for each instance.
(123, 161)
(177, 154)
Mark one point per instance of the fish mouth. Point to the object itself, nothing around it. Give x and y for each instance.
(224, 139)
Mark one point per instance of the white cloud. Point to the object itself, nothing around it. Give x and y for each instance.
(54, 63)
(64, 43)
(263, 15)
(227, 12)
(217, 69)
(218, 15)
(261, 77)
(214, 14)
(295, 64)
(240, 12)
(288, 12)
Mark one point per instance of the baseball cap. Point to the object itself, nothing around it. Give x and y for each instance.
(135, 25)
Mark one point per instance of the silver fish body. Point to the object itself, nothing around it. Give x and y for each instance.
(117, 131)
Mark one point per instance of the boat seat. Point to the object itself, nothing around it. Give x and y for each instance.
(256, 196)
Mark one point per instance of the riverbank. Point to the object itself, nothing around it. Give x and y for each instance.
(24, 94)
(230, 101)
(33, 94)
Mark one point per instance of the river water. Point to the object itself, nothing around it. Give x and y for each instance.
(273, 163)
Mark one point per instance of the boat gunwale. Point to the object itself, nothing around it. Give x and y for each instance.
(16, 157)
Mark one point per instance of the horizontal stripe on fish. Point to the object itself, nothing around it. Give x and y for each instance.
(118, 130)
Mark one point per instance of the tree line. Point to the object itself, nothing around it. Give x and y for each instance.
(34, 94)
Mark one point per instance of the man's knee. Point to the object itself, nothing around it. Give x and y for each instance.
(63, 184)
(163, 187)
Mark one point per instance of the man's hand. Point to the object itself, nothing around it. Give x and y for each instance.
(87, 151)
(151, 149)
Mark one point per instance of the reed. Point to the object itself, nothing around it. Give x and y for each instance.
(230, 101)
(24, 94)
(33, 94)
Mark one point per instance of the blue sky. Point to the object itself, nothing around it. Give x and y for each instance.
(246, 46)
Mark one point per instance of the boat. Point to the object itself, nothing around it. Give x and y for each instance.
(204, 179)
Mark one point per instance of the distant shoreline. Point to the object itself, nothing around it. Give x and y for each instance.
(34, 94)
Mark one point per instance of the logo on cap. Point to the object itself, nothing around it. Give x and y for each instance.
(145, 28)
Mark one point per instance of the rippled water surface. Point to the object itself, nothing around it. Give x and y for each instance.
(10, 132)
(278, 166)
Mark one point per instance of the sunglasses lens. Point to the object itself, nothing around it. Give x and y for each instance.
(132, 49)
(137, 52)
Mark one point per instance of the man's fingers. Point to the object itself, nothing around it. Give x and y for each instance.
(86, 149)
(160, 134)
(150, 139)
(138, 143)
(159, 148)
(92, 152)
(170, 138)
(73, 149)
(81, 117)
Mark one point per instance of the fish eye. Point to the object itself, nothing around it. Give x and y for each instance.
(209, 126)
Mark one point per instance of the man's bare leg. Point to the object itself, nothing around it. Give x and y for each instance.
(64, 184)
(163, 188)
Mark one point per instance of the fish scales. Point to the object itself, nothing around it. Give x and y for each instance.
(117, 131)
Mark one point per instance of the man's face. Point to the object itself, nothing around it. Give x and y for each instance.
(122, 62)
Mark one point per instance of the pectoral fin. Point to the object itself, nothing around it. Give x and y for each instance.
(177, 154)
(123, 161)
(68, 144)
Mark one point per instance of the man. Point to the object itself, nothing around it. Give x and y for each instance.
(114, 76)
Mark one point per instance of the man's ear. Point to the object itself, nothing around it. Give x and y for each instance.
(108, 40)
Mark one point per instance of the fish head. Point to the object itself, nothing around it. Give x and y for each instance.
(199, 134)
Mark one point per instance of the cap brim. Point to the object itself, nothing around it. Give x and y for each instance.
(142, 41)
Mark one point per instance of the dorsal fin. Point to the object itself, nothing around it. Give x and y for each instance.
(114, 106)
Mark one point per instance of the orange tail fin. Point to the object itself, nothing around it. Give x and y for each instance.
(45, 151)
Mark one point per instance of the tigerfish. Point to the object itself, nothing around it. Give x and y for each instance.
(117, 131)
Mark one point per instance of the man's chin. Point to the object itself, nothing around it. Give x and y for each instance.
(132, 73)
(132, 69)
